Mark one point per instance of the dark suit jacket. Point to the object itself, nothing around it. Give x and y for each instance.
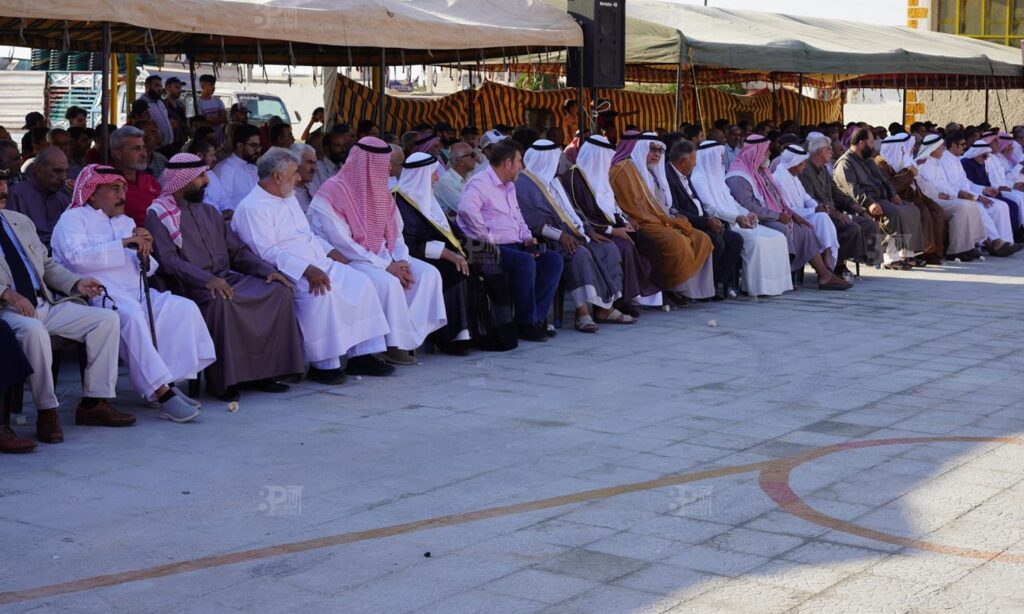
(681, 201)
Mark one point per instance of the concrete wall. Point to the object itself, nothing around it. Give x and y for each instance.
(963, 106)
(968, 107)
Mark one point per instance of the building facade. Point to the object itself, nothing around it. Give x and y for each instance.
(994, 21)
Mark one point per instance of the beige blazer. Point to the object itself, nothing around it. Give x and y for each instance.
(56, 279)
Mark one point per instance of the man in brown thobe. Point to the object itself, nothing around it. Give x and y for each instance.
(683, 250)
(247, 304)
(895, 161)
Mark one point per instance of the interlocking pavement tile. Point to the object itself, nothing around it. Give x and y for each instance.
(591, 565)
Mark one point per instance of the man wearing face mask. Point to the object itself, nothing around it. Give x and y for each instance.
(94, 237)
(246, 302)
(858, 176)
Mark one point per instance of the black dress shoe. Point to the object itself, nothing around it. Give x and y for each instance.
(330, 377)
(269, 385)
(230, 395)
(675, 298)
(453, 348)
(549, 330)
(368, 365)
(532, 332)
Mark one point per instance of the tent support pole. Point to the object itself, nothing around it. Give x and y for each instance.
(472, 100)
(903, 120)
(581, 111)
(800, 102)
(986, 100)
(593, 114)
(192, 80)
(697, 110)
(379, 84)
(105, 95)
(129, 76)
(679, 95)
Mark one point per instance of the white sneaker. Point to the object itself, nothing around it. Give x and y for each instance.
(177, 410)
(186, 398)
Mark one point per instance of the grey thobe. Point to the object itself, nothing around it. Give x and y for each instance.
(803, 245)
(256, 333)
(860, 239)
(42, 207)
(861, 180)
(594, 273)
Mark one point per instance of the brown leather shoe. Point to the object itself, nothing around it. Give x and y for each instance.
(48, 427)
(10, 443)
(102, 414)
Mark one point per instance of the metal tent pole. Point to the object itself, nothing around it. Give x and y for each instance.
(105, 94)
(192, 79)
(903, 120)
(381, 89)
(986, 99)
(800, 102)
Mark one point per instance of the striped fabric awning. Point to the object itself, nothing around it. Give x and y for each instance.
(495, 104)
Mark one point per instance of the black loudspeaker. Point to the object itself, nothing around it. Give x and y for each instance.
(602, 60)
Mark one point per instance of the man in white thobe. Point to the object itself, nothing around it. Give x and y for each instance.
(791, 163)
(766, 270)
(1000, 177)
(94, 237)
(968, 224)
(355, 212)
(996, 214)
(237, 173)
(336, 305)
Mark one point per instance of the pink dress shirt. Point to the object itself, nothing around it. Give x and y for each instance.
(489, 210)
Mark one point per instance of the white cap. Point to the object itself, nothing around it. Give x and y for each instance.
(490, 138)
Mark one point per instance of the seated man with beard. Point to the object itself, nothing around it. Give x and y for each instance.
(593, 268)
(755, 190)
(895, 160)
(641, 189)
(858, 176)
(246, 302)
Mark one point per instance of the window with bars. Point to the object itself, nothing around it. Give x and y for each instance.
(998, 21)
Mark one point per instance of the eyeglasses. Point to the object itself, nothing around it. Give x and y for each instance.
(657, 150)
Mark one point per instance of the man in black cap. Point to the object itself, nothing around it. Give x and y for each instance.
(35, 119)
(240, 113)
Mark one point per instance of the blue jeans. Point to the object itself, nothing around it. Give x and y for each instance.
(533, 279)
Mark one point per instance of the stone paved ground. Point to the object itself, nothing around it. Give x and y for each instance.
(586, 456)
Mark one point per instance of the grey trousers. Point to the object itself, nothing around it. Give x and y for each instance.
(98, 328)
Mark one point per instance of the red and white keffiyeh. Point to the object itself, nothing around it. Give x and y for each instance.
(359, 194)
(92, 177)
(181, 170)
